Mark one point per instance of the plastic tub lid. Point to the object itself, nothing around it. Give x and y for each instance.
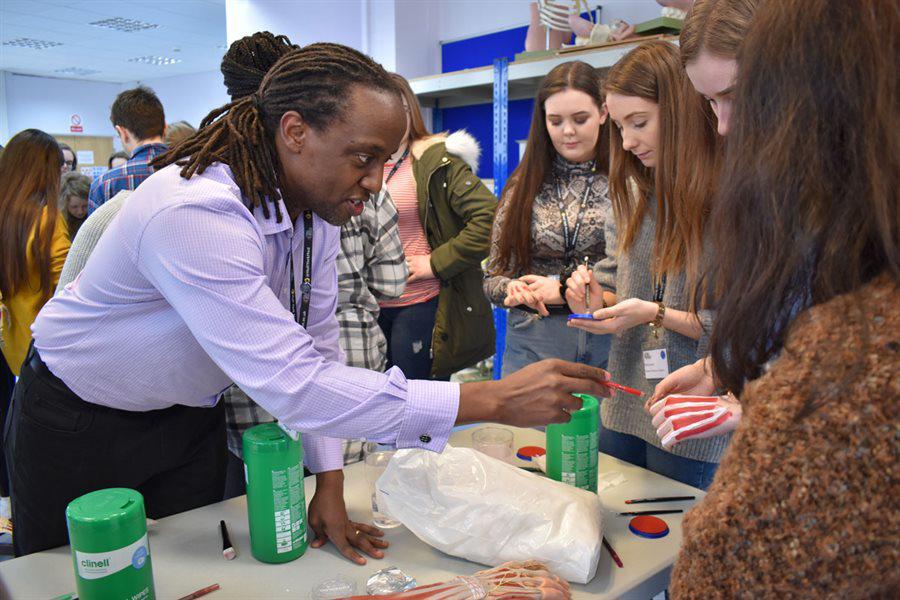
(112, 511)
(266, 438)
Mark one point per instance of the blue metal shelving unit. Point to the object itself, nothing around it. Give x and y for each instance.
(501, 165)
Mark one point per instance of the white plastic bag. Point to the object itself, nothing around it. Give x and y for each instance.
(476, 507)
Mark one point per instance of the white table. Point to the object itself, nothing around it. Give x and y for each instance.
(187, 551)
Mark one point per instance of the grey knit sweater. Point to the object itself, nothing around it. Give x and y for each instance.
(634, 279)
(87, 237)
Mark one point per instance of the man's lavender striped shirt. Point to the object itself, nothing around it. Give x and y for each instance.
(187, 291)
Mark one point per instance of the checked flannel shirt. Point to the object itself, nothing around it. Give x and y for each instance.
(371, 267)
(127, 177)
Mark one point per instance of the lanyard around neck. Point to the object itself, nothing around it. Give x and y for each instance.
(570, 244)
(397, 165)
(306, 286)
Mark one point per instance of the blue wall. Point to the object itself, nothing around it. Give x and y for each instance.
(482, 50)
(479, 119)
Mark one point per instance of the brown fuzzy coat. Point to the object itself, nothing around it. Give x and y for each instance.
(805, 501)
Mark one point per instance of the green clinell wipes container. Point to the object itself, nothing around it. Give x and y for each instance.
(108, 536)
(276, 503)
(572, 447)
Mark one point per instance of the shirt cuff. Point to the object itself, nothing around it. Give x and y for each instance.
(431, 410)
(322, 453)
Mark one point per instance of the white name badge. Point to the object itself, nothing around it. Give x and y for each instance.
(656, 363)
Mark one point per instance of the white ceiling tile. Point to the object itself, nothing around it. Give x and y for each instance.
(195, 27)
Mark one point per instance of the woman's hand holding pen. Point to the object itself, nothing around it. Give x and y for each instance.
(581, 280)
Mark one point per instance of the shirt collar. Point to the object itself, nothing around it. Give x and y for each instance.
(156, 147)
(271, 225)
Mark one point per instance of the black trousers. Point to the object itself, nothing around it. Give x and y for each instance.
(59, 447)
(235, 483)
(7, 382)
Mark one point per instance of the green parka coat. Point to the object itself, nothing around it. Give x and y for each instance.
(457, 213)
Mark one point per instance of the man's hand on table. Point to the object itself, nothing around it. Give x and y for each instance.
(538, 394)
(329, 521)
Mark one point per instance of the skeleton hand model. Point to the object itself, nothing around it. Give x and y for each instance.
(528, 580)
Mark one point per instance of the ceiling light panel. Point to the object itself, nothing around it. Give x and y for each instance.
(155, 60)
(123, 24)
(77, 71)
(31, 43)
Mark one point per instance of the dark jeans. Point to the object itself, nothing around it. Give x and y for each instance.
(408, 331)
(7, 382)
(633, 449)
(59, 447)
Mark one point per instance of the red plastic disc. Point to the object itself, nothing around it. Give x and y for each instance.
(529, 452)
(648, 526)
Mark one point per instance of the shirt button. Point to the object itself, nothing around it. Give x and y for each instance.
(425, 439)
(445, 159)
(468, 309)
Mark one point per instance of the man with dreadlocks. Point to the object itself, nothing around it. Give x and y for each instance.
(220, 269)
(371, 266)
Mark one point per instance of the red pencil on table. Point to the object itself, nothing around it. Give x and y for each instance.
(200, 593)
(623, 388)
(612, 553)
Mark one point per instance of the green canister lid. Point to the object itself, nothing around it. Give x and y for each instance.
(99, 517)
(589, 408)
(266, 438)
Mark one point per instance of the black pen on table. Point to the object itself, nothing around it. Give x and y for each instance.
(650, 512)
(660, 499)
(227, 549)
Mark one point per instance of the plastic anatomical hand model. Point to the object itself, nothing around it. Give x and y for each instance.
(529, 580)
(679, 417)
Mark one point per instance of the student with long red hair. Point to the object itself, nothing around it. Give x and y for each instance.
(656, 328)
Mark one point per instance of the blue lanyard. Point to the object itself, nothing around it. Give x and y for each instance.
(397, 165)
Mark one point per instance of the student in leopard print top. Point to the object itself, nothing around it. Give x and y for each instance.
(554, 212)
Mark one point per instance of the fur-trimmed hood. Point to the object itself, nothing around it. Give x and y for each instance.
(459, 143)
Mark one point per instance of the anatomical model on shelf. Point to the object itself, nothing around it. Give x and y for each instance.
(554, 21)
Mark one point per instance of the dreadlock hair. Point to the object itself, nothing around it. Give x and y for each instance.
(249, 59)
(314, 81)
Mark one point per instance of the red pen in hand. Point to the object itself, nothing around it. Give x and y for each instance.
(623, 388)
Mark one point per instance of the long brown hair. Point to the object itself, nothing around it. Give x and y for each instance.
(417, 129)
(514, 243)
(808, 207)
(717, 27)
(652, 71)
(29, 185)
(314, 80)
